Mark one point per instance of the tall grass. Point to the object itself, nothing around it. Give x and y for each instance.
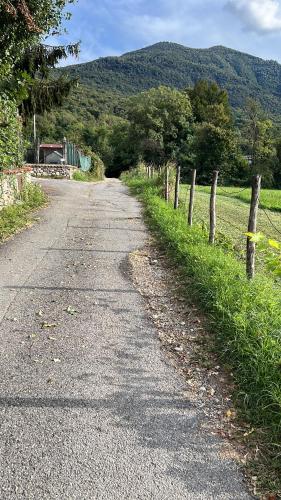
(81, 176)
(246, 315)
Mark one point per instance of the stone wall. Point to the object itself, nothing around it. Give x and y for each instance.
(57, 171)
(12, 182)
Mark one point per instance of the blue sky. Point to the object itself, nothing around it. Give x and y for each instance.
(112, 27)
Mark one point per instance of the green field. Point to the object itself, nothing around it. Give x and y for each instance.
(269, 198)
(233, 213)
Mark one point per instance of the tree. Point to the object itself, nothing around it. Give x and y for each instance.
(24, 66)
(24, 22)
(216, 148)
(259, 141)
(160, 123)
(42, 92)
(215, 143)
(25, 61)
(210, 104)
(257, 132)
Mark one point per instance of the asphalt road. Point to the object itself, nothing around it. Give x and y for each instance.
(89, 408)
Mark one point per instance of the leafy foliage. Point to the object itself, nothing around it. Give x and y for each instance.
(11, 144)
(44, 93)
(22, 22)
(210, 104)
(216, 148)
(24, 68)
(160, 122)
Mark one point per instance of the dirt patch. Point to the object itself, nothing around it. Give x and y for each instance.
(188, 345)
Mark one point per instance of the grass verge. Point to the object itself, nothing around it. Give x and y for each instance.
(245, 319)
(15, 217)
(84, 176)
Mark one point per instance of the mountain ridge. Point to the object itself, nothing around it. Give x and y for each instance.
(167, 63)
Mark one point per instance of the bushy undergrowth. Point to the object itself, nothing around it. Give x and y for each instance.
(246, 315)
(15, 217)
(85, 176)
(98, 167)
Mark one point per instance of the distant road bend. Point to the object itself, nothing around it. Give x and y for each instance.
(90, 408)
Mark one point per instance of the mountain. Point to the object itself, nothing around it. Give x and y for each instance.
(171, 64)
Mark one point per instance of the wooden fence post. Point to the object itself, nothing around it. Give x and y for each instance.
(213, 215)
(191, 200)
(167, 183)
(252, 226)
(177, 187)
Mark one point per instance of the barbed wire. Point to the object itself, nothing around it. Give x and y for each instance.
(229, 194)
(233, 193)
(270, 221)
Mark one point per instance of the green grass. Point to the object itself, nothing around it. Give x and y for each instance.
(232, 216)
(245, 315)
(84, 176)
(15, 217)
(269, 199)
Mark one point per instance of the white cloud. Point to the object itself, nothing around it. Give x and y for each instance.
(262, 16)
(154, 28)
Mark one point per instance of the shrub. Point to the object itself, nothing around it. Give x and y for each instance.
(98, 167)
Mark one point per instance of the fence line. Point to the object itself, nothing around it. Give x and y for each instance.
(213, 216)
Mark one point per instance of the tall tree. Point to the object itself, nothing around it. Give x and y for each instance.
(258, 134)
(24, 65)
(210, 104)
(23, 22)
(160, 122)
(216, 148)
(43, 92)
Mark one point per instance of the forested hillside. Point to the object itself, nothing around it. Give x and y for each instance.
(242, 75)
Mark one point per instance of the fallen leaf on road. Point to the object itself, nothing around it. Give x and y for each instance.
(71, 310)
(48, 325)
(230, 414)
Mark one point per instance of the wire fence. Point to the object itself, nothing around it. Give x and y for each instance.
(228, 217)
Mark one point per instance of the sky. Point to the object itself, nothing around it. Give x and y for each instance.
(113, 27)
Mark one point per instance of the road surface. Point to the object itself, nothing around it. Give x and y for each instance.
(89, 407)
